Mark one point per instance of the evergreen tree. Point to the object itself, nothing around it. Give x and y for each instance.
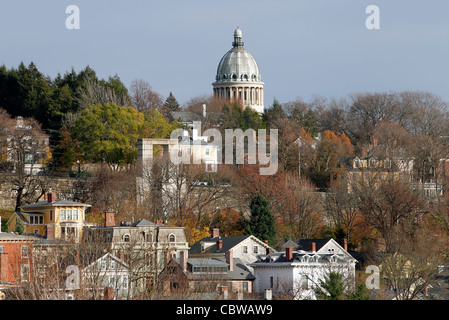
(19, 227)
(332, 287)
(171, 103)
(261, 222)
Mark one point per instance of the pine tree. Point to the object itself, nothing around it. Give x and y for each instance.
(332, 287)
(170, 105)
(261, 223)
(19, 227)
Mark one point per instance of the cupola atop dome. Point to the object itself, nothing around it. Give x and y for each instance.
(237, 38)
(238, 77)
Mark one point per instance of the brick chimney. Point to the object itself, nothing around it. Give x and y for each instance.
(214, 232)
(108, 294)
(109, 219)
(268, 250)
(51, 197)
(49, 232)
(313, 246)
(345, 244)
(229, 255)
(183, 260)
(219, 244)
(289, 253)
(159, 222)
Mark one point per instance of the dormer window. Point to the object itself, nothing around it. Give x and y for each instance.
(172, 238)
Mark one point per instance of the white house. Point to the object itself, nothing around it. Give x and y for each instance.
(247, 248)
(297, 273)
(109, 272)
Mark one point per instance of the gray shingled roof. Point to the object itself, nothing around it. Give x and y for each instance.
(144, 223)
(239, 272)
(57, 203)
(13, 236)
(228, 243)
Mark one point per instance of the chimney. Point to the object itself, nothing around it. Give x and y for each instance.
(229, 255)
(345, 244)
(108, 294)
(204, 110)
(109, 219)
(49, 234)
(183, 262)
(51, 197)
(214, 232)
(289, 253)
(219, 244)
(167, 257)
(159, 222)
(268, 250)
(224, 292)
(313, 246)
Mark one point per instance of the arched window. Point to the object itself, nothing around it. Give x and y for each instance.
(126, 238)
(171, 238)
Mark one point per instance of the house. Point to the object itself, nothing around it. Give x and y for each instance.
(194, 148)
(26, 149)
(296, 273)
(52, 218)
(368, 170)
(108, 272)
(246, 247)
(206, 275)
(149, 245)
(16, 259)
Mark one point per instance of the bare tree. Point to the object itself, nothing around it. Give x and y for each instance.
(144, 98)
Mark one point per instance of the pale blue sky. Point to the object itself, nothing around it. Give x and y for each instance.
(302, 47)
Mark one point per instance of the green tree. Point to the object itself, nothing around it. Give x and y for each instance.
(108, 133)
(361, 293)
(20, 229)
(171, 105)
(261, 223)
(332, 287)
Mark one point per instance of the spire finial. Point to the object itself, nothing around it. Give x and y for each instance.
(237, 38)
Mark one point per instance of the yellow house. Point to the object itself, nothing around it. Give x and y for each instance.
(366, 170)
(61, 219)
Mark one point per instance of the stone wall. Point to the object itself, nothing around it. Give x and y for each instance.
(64, 187)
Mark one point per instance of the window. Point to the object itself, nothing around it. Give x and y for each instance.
(304, 282)
(125, 282)
(2, 249)
(36, 231)
(245, 286)
(126, 238)
(24, 272)
(62, 214)
(245, 249)
(256, 249)
(31, 219)
(68, 233)
(51, 215)
(271, 282)
(172, 238)
(207, 151)
(24, 252)
(103, 265)
(41, 220)
(112, 265)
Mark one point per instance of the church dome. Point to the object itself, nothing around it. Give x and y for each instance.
(238, 64)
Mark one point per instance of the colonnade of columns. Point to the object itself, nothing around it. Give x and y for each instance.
(248, 95)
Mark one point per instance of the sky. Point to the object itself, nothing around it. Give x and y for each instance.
(303, 47)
